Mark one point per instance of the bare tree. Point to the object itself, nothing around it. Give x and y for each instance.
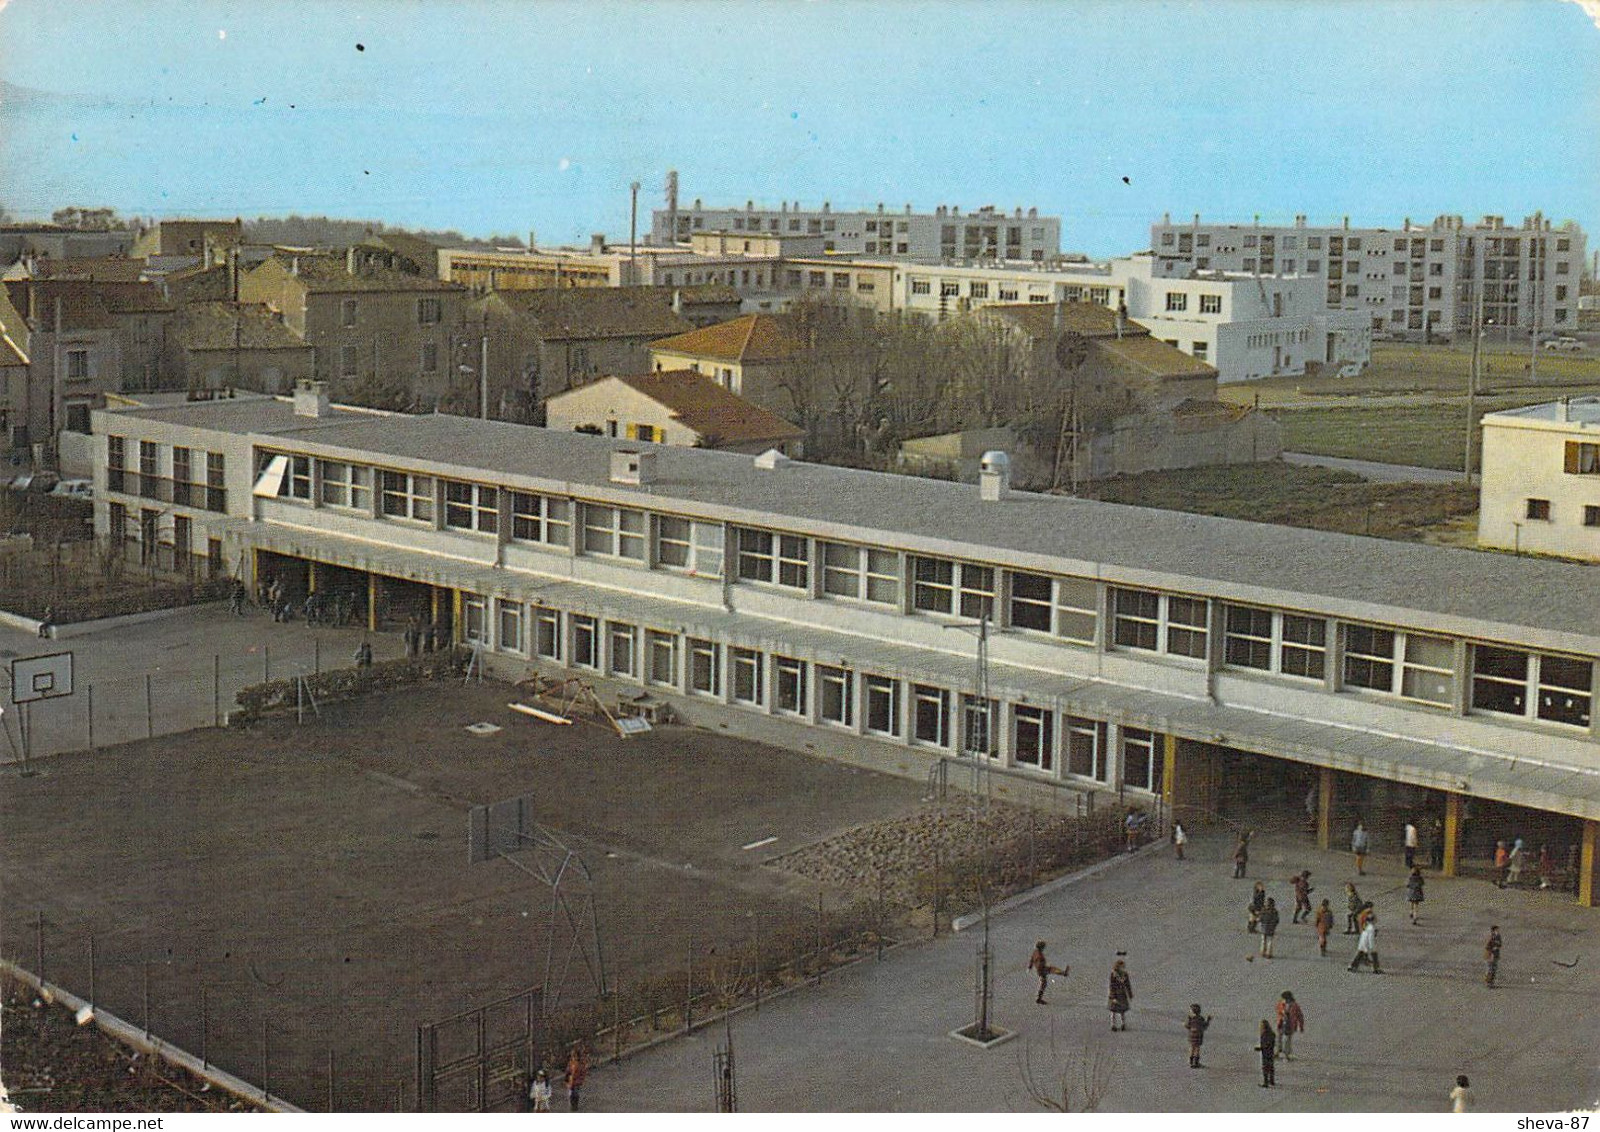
(1077, 1082)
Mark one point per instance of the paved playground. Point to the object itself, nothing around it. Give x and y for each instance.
(874, 1038)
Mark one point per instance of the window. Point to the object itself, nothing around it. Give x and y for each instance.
(547, 633)
(509, 625)
(1428, 670)
(116, 459)
(585, 641)
(1077, 609)
(747, 677)
(1304, 647)
(1591, 515)
(1177, 301)
(836, 695)
(705, 667)
(429, 311)
(1582, 458)
(941, 586)
(471, 507)
(978, 290)
(182, 474)
(977, 730)
(1136, 618)
(1539, 509)
(406, 496)
(1531, 685)
(1369, 657)
(346, 485)
(920, 287)
(883, 705)
(347, 361)
(1199, 350)
(789, 676)
(1250, 263)
(77, 365)
(1141, 766)
(841, 280)
(477, 618)
(861, 573)
(621, 658)
(775, 559)
(1186, 626)
(347, 312)
(949, 289)
(1033, 736)
(1008, 294)
(1210, 304)
(1248, 637)
(930, 715)
(617, 532)
(1086, 749)
(1313, 266)
(540, 518)
(429, 362)
(693, 547)
(1030, 602)
(1353, 244)
(1424, 665)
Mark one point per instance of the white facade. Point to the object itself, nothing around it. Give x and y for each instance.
(1412, 282)
(945, 233)
(1245, 326)
(1540, 490)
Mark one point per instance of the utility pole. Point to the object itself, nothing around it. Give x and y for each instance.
(633, 237)
(1472, 376)
(1536, 261)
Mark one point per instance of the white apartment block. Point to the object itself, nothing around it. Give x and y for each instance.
(1413, 282)
(1245, 326)
(1540, 489)
(945, 233)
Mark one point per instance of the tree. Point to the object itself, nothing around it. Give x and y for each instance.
(376, 391)
(87, 219)
(1074, 1083)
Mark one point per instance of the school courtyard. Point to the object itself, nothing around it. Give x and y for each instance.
(875, 1038)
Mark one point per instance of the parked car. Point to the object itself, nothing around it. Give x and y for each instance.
(38, 482)
(74, 489)
(1564, 345)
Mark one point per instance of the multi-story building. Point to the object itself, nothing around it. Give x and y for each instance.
(364, 321)
(1246, 326)
(1414, 282)
(1183, 662)
(1540, 488)
(983, 233)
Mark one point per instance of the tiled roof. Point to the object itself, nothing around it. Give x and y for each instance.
(80, 303)
(103, 269)
(132, 298)
(1152, 356)
(715, 413)
(213, 326)
(1040, 320)
(749, 338)
(596, 312)
(326, 273)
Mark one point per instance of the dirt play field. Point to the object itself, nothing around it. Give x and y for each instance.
(288, 899)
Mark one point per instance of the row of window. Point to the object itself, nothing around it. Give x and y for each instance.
(430, 311)
(1539, 511)
(838, 695)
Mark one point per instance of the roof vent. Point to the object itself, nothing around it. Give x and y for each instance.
(310, 398)
(633, 466)
(994, 476)
(771, 459)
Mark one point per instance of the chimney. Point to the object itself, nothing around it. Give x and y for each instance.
(633, 466)
(350, 259)
(310, 398)
(994, 476)
(677, 301)
(597, 242)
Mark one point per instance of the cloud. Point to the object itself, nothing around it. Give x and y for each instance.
(1591, 9)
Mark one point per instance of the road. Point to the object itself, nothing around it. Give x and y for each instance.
(1370, 470)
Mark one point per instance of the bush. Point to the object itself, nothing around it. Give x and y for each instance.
(336, 684)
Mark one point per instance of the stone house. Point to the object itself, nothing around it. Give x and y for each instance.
(674, 407)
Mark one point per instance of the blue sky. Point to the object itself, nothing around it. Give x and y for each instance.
(506, 115)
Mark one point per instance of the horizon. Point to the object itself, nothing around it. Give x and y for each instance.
(1161, 108)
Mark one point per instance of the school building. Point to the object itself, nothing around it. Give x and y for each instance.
(1195, 665)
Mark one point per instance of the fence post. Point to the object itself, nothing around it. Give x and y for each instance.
(819, 936)
(688, 998)
(90, 690)
(316, 656)
(38, 935)
(216, 689)
(330, 1079)
(149, 712)
(266, 664)
(266, 1061)
(91, 970)
(205, 1029)
(145, 967)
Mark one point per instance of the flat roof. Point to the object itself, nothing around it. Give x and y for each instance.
(1457, 591)
(1568, 410)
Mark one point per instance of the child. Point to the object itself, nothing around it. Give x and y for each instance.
(1414, 892)
(1324, 925)
(1267, 1046)
(1196, 1025)
(1291, 1020)
(539, 1092)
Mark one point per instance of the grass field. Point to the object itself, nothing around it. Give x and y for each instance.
(1319, 498)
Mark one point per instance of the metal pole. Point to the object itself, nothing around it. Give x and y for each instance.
(38, 935)
(205, 1030)
(216, 689)
(616, 1025)
(316, 656)
(146, 993)
(91, 970)
(266, 664)
(90, 690)
(330, 1080)
(149, 712)
(819, 937)
(266, 1060)
(688, 1000)
(633, 237)
(483, 378)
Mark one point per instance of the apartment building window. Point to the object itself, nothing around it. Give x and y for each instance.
(705, 667)
(949, 289)
(836, 695)
(921, 287)
(429, 311)
(346, 485)
(1166, 239)
(1561, 294)
(116, 461)
(841, 280)
(540, 518)
(779, 560)
(476, 618)
(1410, 665)
(1285, 643)
(789, 690)
(747, 665)
(1250, 263)
(1086, 749)
(883, 705)
(1210, 304)
(1561, 267)
(1033, 736)
(1539, 509)
(1351, 290)
(792, 277)
(617, 532)
(1591, 515)
(817, 279)
(1008, 295)
(1313, 243)
(182, 474)
(860, 573)
(471, 507)
(1563, 244)
(1313, 266)
(216, 483)
(77, 365)
(585, 641)
(347, 361)
(509, 625)
(1249, 241)
(941, 586)
(1142, 766)
(620, 641)
(1353, 244)
(1177, 301)
(1199, 350)
(347, 312)
(901, 248)
(407, 496)
(978, 290)
(1031, 601)
(1532, 686)
(693, 547)
(429, 361)
(547, 633)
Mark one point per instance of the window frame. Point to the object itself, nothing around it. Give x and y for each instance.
(940, 699)
(610, 531)
(466, 509)
(1041, 721)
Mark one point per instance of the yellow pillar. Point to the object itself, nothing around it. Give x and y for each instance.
(311, 578)
(1586, 893)
(433, 607)
(372, 603)
(1325, 781)
(1452, 833)
(1169, 772)
(456, 634)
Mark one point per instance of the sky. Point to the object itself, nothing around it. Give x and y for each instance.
(505, 116)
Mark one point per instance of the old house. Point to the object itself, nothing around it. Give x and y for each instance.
(673, 407)
(750, 355)
(218, 345)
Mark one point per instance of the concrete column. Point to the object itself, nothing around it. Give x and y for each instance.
(311, 577)
(1452, 833)
(1586, 886)
(372, 602)
(1325, 795)
(457, 628)
(1169, 776)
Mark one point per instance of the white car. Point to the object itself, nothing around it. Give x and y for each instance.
(1564, 345)
(74, 489)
